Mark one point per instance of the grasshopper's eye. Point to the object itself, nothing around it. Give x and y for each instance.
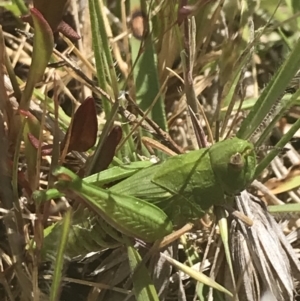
(236, 161)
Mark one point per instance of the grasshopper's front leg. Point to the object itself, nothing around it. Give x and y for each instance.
(131, 216)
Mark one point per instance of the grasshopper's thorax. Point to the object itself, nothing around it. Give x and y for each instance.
(233, 162)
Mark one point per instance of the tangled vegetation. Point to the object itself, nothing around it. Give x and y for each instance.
(120, 178)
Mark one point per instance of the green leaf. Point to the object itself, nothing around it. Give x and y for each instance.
(271, 94)
(43, 44)
(58, 269)
(144, 289)
(145, 65)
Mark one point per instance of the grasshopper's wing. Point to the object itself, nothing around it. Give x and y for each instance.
(181, 175)
(191, 181)
(140, 185)
(117, 173)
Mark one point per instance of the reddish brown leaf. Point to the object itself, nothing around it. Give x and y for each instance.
(185, 10)
(46, 149)
(62, 27)
(52, 11)
(25, 113)
(22, 181)
(68, 31)
(182, 11)
(84, 128)
(34, 141)
(108, 150)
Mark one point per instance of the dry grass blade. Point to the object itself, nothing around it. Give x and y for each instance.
(162, 271)
(263, 258)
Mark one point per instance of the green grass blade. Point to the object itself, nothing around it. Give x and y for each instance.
(223, 226)
(284, 208)
(197, 275)
(98, 46)
(57, 276)
(43, 44)
(144, 289)
(145, 68)
(271, 94)
(273, 153)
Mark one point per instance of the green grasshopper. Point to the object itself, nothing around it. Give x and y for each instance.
(149, 203)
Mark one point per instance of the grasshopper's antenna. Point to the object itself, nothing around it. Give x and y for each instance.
(275, 109)
(271, 147)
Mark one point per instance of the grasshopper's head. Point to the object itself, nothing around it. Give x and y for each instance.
(233, 162)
